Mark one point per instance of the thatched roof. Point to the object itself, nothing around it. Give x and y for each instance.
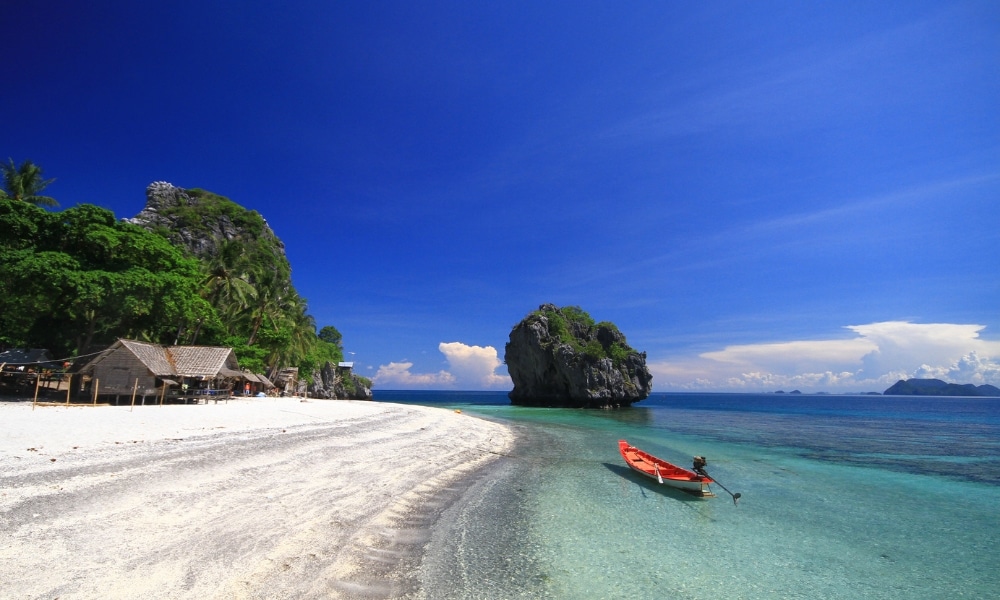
(201, 361)
(151, 355)
(175, 361)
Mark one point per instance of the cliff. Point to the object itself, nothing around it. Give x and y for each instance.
(936, 387)
(334, 383)
(559, 357)
(202, 222)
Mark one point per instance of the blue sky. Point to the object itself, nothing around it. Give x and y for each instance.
(760, 195)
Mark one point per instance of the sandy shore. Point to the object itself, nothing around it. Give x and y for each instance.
(262, 498)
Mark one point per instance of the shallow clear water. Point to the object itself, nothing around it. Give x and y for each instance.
(842, 497)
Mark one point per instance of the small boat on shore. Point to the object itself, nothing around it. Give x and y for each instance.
(665, 473)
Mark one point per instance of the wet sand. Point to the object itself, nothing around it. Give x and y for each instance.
(262, 498)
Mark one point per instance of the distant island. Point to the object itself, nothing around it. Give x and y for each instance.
(936, 387)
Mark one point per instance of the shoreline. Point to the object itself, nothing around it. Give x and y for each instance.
(251, 499)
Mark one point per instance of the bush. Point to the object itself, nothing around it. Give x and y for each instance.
(618, 353)
(594, 350)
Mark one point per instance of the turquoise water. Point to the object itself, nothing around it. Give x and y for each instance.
(842, 497)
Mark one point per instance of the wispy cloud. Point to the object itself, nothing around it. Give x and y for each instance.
(851, 209)
(877, 356)
(772, 236)
(791, 92)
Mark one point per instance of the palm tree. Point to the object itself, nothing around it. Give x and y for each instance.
(224, 285)
(25, 183)
(291, 340)
(225, 280)
(302, 327)
(269, 301)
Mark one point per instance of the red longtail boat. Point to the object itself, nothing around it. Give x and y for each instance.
(665, 473)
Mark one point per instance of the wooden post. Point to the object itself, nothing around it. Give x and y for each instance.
(38, 381)
(97, 383)
(69, 386)
(164, 393)
(134, 388)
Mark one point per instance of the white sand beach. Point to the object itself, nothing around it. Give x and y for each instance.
(260, 498)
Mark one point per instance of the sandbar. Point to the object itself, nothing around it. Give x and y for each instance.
(251, 498)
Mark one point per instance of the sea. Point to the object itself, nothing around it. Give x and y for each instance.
(839, 497)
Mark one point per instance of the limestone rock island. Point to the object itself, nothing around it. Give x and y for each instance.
(559, 357)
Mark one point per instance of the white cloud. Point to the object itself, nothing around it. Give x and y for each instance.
(398, 375)
(474, 365)
(795, 356)
(469, 368)
(879, 355)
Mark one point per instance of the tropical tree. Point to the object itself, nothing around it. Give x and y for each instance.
(331, 335)
(79, 277)
(25, 183)
(225, 285)
(270, 300)
(225, 280)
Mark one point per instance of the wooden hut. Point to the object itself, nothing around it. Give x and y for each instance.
(129, 367)
(344, 368)
(287, 381)
(20, 368)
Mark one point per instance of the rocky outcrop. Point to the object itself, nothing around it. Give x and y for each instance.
(331, 382)
(559, 357)
(201, 221)
(936, 387)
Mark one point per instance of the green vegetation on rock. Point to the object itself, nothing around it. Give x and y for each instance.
(573, 326)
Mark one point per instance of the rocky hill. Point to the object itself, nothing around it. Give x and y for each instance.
(936, 387)
(215, 229)
(560, 357)
(202, 221)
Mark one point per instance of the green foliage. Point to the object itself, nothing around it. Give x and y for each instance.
(322, 352)
(618, 353)
(251, 358)
(330, 335)
(80, 277)
(578, 317)
(21, 223)
(568, 324)
(351, 381)
(25, 183)
(573, 326)
(594, 350)
(609, 326)
(207, 208)
(559, 328)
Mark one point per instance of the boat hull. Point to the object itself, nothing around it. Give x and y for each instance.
(663, 472)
